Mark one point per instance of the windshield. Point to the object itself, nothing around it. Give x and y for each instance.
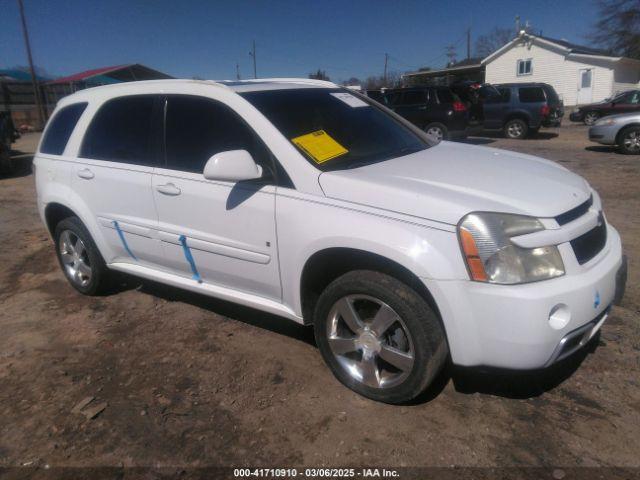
(335, 129)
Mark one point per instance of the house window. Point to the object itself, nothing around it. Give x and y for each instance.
(524, 67)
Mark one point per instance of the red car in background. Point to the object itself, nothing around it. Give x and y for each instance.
(625, 102)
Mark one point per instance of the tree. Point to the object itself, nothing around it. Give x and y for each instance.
(352, 81)
(319, 75)
(618, 27)
(492, 41)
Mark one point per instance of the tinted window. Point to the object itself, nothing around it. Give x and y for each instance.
(60, 128)
(121, 131)
(198, 128)
(503, 96)
(531, 94)
(413, 97)
(366, 133)
(632, 98)
(445, 95)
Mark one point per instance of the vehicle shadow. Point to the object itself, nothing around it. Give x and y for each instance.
(544, 135)
(477, 140)
(497, 382)
(250, 316)
(521, 384)
(603, 149)
(22, 165)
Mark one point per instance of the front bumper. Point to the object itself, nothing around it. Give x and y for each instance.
(576, 116)
(604, 134)
(508, 326)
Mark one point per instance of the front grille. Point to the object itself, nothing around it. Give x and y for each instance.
(574, 213)
(588, 245)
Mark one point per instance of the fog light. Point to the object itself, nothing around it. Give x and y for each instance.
(559, 316)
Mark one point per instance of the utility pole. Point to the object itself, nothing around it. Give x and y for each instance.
(237, 71)
(253, 54)
(386, 61)
(468, 43)
(34, 81)
(450, 52)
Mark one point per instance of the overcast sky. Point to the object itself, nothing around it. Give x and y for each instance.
(206, 38)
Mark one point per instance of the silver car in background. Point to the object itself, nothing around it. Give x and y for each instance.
(621, 130)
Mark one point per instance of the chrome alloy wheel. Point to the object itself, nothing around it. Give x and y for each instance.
(435, 133)
(515, 130)
(631, 141)
(590, 118)
(370, 341)
(75, 258)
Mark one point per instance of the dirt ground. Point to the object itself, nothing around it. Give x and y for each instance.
(192, 381)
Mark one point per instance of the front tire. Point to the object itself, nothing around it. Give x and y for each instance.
(80, 258)
(516, 129)
(591, 117)
(379, 337)
(629, 142)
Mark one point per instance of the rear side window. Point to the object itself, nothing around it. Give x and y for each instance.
(503, 96)
(445, 95)
(197, 128)
(531, 94)
(60, 128)
(415, 97)
(122, 131)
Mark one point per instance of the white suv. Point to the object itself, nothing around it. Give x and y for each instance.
(317, 204)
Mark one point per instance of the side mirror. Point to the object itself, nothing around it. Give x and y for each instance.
(232, 166)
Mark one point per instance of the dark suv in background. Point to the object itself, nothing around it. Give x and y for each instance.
(625, 102)
(520, 109)
(436, 110)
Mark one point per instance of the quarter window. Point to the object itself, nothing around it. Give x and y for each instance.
(198, 128)
(122, 131)
(60, 129)
(524, 67)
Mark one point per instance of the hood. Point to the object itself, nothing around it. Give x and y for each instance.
(445, 182)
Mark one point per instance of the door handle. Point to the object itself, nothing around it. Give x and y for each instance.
(86, 174)
(168, 189)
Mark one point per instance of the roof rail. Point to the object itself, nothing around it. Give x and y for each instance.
(308, 81)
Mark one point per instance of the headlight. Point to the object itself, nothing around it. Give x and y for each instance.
(491, 257)
(606, 121)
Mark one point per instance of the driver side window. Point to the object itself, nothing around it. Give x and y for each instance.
(196, 128)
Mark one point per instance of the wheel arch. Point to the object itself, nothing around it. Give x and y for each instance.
(325, 265)
(519, 115)
(623, 128)
(54, 213)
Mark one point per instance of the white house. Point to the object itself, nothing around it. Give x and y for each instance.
(580, 75)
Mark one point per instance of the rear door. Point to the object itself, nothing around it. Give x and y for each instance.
(112, 175)
(496, 108)
(413, 105)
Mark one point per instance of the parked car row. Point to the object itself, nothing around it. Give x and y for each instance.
(449, 113)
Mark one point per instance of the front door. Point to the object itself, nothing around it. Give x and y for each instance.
(585, 84)
(113, 174)
(227, 228)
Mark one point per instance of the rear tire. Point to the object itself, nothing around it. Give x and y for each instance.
(379, 337)
(516, 129)
(590, 118)
(80, 258)
(629, 140)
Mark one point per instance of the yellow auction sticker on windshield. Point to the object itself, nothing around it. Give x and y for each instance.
(319, 146)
